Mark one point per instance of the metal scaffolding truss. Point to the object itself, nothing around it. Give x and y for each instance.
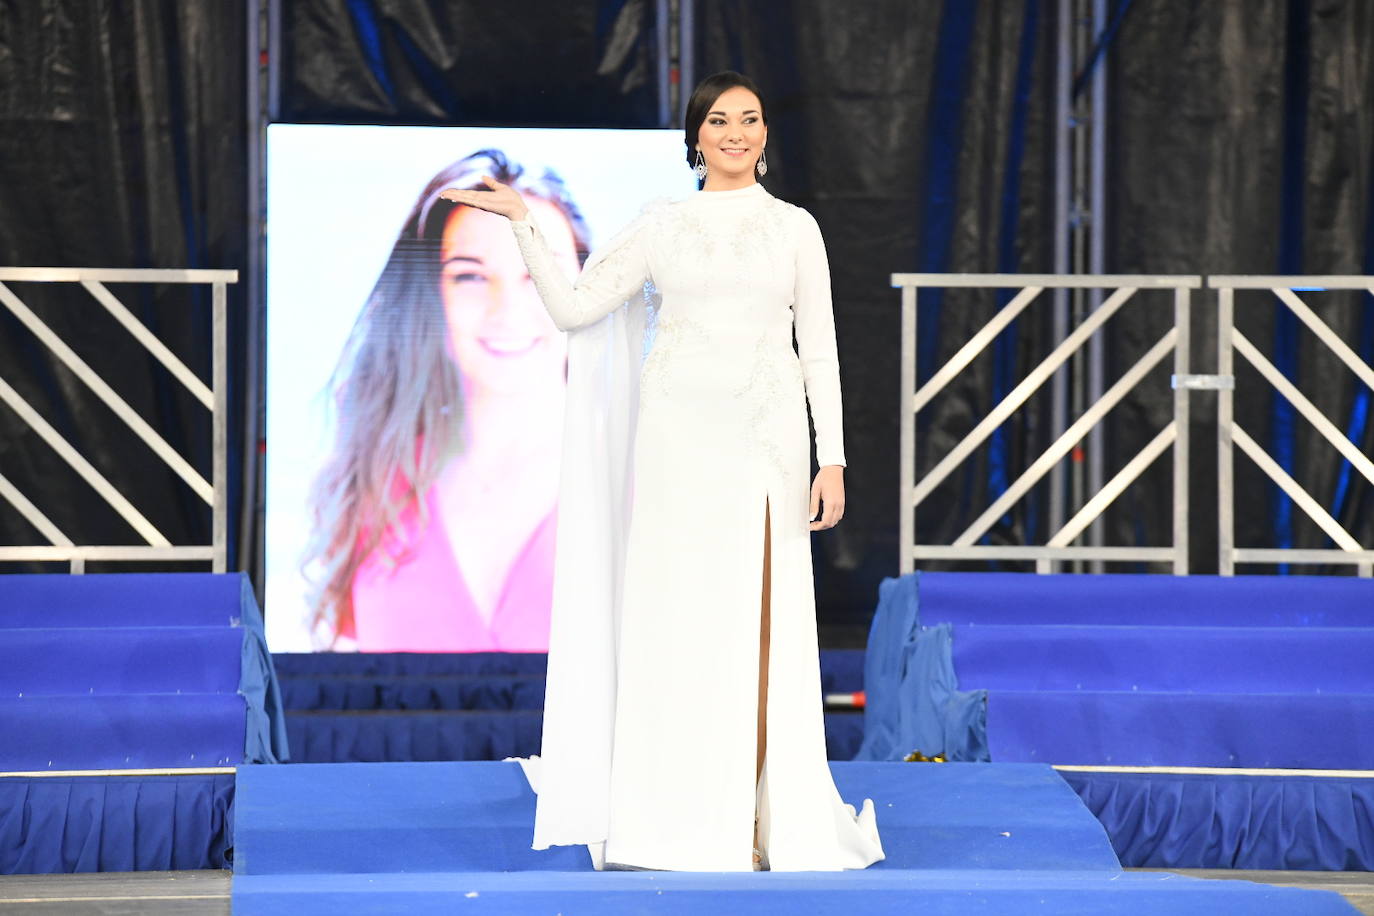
(156, 546)
(1231, 435)
(1060, 546)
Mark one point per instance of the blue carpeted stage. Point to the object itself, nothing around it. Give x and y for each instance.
(166, 674)
(170, 672)
(1149, 671)
(430, 837)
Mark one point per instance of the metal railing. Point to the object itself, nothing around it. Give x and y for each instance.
(61, 547)
(1060, 545)
(1231, 435)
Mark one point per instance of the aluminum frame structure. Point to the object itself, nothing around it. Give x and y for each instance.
(215, 493)
(1059, 547)
(1230, 434)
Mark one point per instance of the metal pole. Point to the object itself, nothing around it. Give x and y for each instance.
(1096, 223)
(665, 102)
(273, 60)
(1182, 363)
(1226, 559)
(1063, 113)
(220, 387)
(686, 54)
(1082, 38)
(248, 554)
(907, 449)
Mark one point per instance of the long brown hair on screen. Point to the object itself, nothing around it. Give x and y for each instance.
(397, 394)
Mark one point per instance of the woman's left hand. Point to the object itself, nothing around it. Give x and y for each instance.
(498, 198)
(827, 490)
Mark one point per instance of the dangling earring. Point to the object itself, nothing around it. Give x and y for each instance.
(762, 167)
(700, 167)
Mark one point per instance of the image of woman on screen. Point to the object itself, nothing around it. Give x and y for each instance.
(434, 515)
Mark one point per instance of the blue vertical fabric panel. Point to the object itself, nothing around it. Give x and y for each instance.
(368, 31)
(1282, 416)
(940, 182)
(1005, 348)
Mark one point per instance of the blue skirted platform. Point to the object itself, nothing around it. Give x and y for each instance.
(401, 707)
(432, 837)
(1148, 671)
(167, 674)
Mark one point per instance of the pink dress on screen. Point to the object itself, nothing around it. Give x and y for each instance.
(421, 603)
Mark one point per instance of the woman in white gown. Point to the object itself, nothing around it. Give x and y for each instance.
(683, 585)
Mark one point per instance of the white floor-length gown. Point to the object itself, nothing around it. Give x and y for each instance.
(670, 459)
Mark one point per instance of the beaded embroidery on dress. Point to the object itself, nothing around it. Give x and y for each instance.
(670, 461)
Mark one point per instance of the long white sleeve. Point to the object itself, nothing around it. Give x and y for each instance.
(612, 279)
(814, 321)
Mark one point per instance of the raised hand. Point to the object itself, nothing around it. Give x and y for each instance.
(501, 198)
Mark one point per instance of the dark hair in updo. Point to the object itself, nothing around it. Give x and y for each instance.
(705, 95)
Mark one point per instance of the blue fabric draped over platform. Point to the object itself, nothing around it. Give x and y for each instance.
(62, 824)
(133, 671)
(1159, 820)
(912, 698)
(1147, 671)
(349, 708)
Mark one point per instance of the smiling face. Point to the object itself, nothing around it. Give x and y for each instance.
(732, 137)
(499, 332)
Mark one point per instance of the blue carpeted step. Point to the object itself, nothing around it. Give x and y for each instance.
(69, 661)
(871, 892)
(1300, 731)
(429, 735)
(396, 736)
(407, 664)
(412, 692)
(121, 732)
(1247, 601)
(121, 600)
(477, 817)
(1161, 658)
(841, 669)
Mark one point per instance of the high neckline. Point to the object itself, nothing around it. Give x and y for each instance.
(751, 190)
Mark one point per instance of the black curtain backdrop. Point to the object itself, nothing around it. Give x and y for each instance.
(920, 135)
(122, 144)
(575, 63)
(1242, 141)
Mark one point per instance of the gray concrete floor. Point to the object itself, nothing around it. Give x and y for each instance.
(1356, 886)
(206, 893)
(135, 893)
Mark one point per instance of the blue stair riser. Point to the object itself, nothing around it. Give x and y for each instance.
(477, 735)
(1117, 599)
(82, 661)
(1289, 731)
(1185, 659)
(121, 732)
(841, 669)
(120, 600)
(434, 692)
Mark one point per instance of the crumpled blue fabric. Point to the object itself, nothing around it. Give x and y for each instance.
(912, 697)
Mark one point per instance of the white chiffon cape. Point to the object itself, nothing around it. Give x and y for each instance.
(572, 777)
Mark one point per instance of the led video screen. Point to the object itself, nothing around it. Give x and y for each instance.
(414, 381)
